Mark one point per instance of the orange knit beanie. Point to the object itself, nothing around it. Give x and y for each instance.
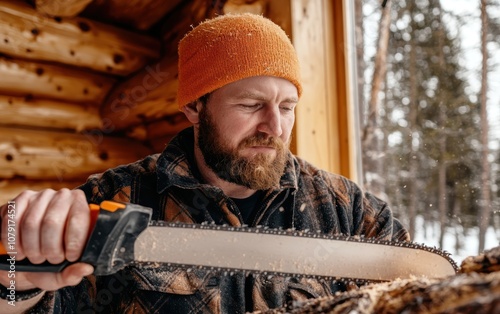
(233, 47)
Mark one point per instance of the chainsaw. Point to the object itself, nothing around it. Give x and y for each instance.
(124, 234)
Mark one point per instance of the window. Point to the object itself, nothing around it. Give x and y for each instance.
(430, 117)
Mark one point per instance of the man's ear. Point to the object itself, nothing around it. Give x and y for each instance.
(192, 111)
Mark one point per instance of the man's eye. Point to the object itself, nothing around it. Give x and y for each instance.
(287, 108)
(251, 106)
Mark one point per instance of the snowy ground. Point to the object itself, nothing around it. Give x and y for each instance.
(469, 241)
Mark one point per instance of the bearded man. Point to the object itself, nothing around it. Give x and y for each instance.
(239, 85)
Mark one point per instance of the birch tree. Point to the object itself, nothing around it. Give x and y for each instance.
(485, 205)
(371, 137)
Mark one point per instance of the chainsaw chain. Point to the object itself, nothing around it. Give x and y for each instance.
(288, 232)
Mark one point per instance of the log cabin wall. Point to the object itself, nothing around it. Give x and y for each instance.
(86, 85)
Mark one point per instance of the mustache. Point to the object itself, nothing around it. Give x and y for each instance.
(262, 140)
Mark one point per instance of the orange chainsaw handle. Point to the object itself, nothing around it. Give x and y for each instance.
(112, 232)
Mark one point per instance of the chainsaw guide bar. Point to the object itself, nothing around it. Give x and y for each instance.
(124, 234)
(298, 253)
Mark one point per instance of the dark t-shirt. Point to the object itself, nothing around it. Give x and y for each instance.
(249, 206)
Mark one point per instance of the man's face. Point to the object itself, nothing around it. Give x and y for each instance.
(244, 130)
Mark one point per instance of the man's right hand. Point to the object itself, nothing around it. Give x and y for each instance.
(49, 226)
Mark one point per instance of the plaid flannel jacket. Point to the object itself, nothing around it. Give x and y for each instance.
(308, 198)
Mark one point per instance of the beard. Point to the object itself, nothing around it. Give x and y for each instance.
(258, 172)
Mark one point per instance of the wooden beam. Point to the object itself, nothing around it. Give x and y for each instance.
(44, 155)
(165, 127)
(63, 8)
(139, 14)
(342, 24)
(280, 12)
(23, 78)
(326, 132)
(147, 96)
(9, 189)
(28, 112)
(317, 120)
(80, 42)
(181, 20)
(245, 6)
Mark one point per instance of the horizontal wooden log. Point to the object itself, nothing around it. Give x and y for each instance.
(279, 11)
(23, 78)
(180, 21)
(24, 111)
(147, 96)
(27, 34)
(9, 189)
(63, 8)
(245, 6)
(44, 155)
(166, 127)
(139, 14)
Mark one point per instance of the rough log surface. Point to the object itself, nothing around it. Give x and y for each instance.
(147, 96)
(43, 155)
(50, 114)
(27, 34)
(23, 78)
(245, 6)
(181, 20)
(9, 189)
(166, 127)
(66, 8)
(139, 14)
(475, 289)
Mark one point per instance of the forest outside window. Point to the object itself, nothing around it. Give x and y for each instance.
(429, 97)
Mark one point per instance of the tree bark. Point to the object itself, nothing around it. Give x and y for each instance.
(360, 54)
(485, 204)
(442, 200)
(442, 139)
(370, 141)
(413, 159)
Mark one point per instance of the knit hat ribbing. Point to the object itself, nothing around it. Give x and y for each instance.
(232, 47)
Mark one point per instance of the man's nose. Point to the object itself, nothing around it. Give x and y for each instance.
(271, 122)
